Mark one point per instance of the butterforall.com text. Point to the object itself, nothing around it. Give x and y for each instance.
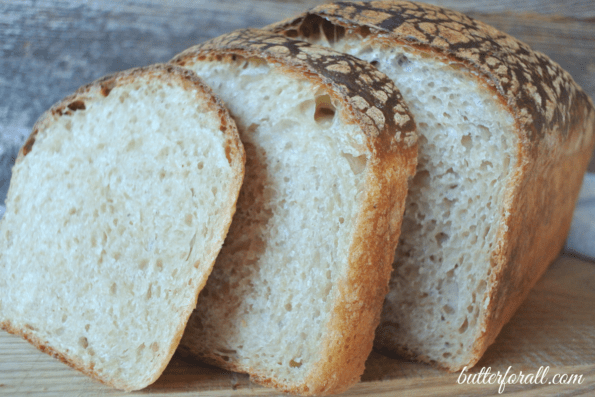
(486, 377)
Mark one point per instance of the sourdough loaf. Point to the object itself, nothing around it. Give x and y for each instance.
(296, 293)
(505, 137)
(119, 202)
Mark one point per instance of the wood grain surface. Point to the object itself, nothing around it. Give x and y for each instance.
(50, 48)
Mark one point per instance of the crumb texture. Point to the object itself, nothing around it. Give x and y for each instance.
(455, 204)
(266, 306)
(500, 125)
(114, 218)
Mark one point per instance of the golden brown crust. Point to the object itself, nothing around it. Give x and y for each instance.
(235, 155)
(371, 95)
(103, 86)
(543, 97)
(554, 120)
(377, 107)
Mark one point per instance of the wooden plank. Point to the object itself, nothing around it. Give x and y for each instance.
(555, 327)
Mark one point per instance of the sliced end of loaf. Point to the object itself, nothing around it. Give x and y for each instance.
(119, 203)
(295, 295)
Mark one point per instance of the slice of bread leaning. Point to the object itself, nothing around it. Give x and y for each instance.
(296, 293)
(505, 138)
(119, 202)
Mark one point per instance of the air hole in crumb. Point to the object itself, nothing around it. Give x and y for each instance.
(140, 349)
(83, 342)
(466, 141)
(214, 190)
(87, 327)
(506, 162)
(446, 355)
(200, 166)
(154, 346)
(159, 264)
(64, 317)
(143, 264)
(149, 293)
(294, 364)
(485, 165)
(341, 220)
(464, 326)
(357, 164)
(113, 289)
(77, 105)
(441, 238)
(325, 111)
(288, 307)
(448, 309)
(188, 219)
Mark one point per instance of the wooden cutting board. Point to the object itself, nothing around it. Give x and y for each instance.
(555, 328)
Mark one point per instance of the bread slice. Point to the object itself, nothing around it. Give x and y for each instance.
(296, 293)
(505, 137)
(118, 205)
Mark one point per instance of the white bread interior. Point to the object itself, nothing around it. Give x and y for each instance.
(454, 205)
(114, 219)
(267, 305)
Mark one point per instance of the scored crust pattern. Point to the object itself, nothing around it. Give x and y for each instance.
(543, 95)
(369, 92)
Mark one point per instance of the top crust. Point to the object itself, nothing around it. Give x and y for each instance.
(103, 86)
(371, 95)
(544, 97)
(373, 102)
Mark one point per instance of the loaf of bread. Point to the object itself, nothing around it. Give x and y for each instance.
(119, 203)
(296, 293)
(505, 137)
